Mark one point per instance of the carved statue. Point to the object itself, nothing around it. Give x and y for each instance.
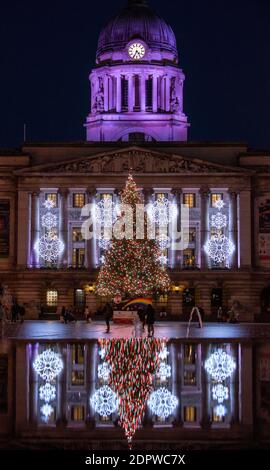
(98, 105)
(174, 102)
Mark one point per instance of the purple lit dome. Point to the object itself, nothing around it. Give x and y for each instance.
(137, 20)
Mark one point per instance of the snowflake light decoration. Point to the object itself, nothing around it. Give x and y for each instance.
(49, 220)
(102, 353)
(162, 211)
(220, 411)
(220, 393)
(219, 220)
(48, 365)
(163, 241)
(46, 411)
(104, 371)
(104, 401)
(102, 259)
(220, 365)
(219, 204)
(49, 247)
(162, 402)
(49, 204)
(47, 392)
(219, 248)
(104, 243)
(164, 371)
(164, 353)
(105, 212)
(163, 260)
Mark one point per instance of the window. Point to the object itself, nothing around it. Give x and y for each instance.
(77, 354)
(192, 234)
(189, 297)
(190, 200)
(189, 354)
(77, 377)
(215, 197)
(189, 377)
(189, 258)
(124, 84)
(78, 255)
(52, 197)
(149, 93)
(77, 234)
(77, 413)
(79, 298)
(51, 298)
(78, 200)
(137, 93)
(190, 414)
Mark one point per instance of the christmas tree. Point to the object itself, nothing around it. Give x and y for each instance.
(132, 267)
(133, 363)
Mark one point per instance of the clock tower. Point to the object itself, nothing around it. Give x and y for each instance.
(137, 84)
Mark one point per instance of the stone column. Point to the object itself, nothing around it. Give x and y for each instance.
(63, 226)
(176, 360)
(155, 95)
(111, 105)
(168, 94)
(118, 94)
(32, 352)
(234, 227)
(91, 368)
(204, 192)
(130, 93)
(34, 227)
(142, 94)
(91, 244)
(245, 229)
(178, 254)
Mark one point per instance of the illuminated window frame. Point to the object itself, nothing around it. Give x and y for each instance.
(51, 298)
(216, 197)
(52, 197)
(190, 200)
(78, 200)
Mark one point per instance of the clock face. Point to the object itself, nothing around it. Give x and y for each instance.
(136, 51)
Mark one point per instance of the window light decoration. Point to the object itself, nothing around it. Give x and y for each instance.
(220, 393)
(47, 392)
(48, 365)
(220, 365)
(104, 401)
(162, 403)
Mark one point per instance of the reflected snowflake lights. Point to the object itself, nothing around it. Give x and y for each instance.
(162, 403)
(104, 401)
(48, 365)
(220, 366)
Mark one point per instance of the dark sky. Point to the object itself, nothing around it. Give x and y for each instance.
(48, 48)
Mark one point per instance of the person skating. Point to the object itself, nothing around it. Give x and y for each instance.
(150, 320)
(108, 313)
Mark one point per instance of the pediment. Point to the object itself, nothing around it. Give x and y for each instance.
(136, 159)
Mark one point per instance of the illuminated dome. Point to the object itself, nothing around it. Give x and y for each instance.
(137, 20)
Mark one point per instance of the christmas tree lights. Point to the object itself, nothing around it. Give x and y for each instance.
(133, 363)
(130, 267)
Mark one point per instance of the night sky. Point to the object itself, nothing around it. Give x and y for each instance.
(47, 50)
